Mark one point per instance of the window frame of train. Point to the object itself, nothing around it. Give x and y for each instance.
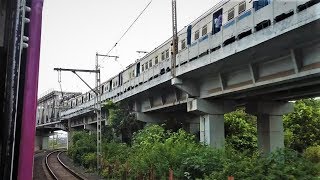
(242, 4)
(259, 4)
(142, 67)
(197, 35)
(230, 14)
(146, 65)
(183, 44)
(167, 54)
(156, 60)
(204, 30)
(163, 56)
(150, 63)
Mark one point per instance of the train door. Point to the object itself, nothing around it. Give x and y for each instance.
(217, 21)
(138, 69)
(189, 32)
(258, 4)
(120, 79)
(110, 85)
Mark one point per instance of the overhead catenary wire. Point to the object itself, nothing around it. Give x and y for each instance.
(128, 29)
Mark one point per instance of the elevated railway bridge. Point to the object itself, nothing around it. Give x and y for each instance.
(277, 60)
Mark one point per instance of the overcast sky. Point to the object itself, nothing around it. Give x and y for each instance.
(74, 30)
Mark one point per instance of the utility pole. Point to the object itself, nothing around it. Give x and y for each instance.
(98, 112)
(97, 103)
(174, 38)
(98, 109)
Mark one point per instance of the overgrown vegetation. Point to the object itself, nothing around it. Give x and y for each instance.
(302, 127)
(83, 149)
(241, 131)
(152, 151)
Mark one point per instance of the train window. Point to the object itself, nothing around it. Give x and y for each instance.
(204, 30)
(142, 67)
(150, 63)
(242, 7)
(133, 73)
(146, 65)
(196, 35)
(162, 56)
(183, 44)
(156, 61)
(230, 14)
(167, 53)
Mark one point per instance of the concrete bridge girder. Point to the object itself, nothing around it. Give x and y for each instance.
(152, 117)
(186, 86)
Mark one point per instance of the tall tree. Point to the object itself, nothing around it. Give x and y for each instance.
(241, 130)
(121, 121)
(302, 127)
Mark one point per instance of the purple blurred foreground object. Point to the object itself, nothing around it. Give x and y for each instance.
(28, 126)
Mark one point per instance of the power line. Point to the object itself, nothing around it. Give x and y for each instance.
(128, 28)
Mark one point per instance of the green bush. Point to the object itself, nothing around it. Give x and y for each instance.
(302, 127)
(282, 164)
(90, 160)
(313, 154)
(83, 144)
(241, 130)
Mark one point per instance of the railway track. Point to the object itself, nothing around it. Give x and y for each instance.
(58, 170)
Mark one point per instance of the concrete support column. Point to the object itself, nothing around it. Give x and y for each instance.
(270, 132)
(270, 124)
(70, 134)
(212, 130)
(45, 142)
(41, 140)
(69, 142)
(211, 119)
(38, 143)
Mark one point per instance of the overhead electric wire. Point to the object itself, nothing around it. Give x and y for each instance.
(128, 29)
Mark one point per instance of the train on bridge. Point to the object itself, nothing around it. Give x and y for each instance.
(227, 29)
(227, 22)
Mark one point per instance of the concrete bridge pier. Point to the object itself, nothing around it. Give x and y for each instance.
(41, 140)
(211, 117)
(270, 124)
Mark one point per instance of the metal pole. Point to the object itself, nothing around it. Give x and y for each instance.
(174, 38)
(98, 112)
(97, 99)
(98, 108)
